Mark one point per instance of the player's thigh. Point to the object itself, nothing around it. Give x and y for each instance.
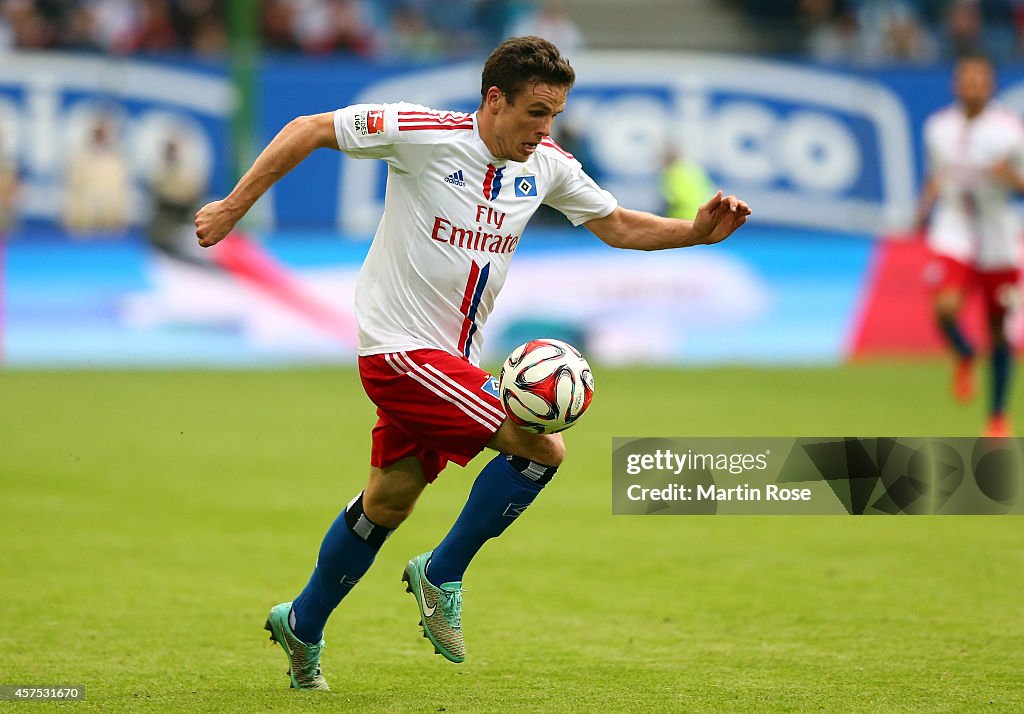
(1001, 295)
(948, 300)
(392, 491)
(547, 449)
(950, 281)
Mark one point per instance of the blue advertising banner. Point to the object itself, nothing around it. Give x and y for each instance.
(828, 159)
(818, 147)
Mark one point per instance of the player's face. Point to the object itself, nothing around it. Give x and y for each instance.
(518, 126)
(973, 83)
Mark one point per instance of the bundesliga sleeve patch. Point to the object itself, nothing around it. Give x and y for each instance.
(526, 186)
(370, 122)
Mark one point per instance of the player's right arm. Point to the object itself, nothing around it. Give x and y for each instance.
(930, 183)
(926, 201)
(293, 143)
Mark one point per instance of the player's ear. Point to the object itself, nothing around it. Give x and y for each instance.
(494, 99)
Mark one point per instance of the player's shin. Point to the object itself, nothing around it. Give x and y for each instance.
(955, 337)
(346, 554)
(1002, 367)
(500, 494)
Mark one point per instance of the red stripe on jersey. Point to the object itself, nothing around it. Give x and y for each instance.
(549, 142)
(432, 120)
(434, 127)
(467, 300)
(488, 181)
(448, 117)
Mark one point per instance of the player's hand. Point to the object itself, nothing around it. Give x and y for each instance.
(213, 222)
(1003, 172)
(718, 218)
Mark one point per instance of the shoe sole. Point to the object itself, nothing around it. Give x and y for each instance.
(408, 588)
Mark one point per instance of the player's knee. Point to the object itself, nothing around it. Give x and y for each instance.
(946, 305)
(547, 449)
(391, 492)
(384, 513)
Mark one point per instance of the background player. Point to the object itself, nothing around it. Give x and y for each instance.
(461, 188)
(975, 152)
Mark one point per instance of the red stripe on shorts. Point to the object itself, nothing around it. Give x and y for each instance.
(438, 383)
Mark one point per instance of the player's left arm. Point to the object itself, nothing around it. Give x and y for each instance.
(1008, 173)
(638, 230)
(1009, 170)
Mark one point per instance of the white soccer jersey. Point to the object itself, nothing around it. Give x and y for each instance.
(453, 217)
(974, 221)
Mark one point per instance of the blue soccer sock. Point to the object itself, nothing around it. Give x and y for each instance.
(502, 491)
(955, 337)
(1002, 366)
(346, 554)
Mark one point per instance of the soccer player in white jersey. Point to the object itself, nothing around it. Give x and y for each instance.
(975, 152)
(460, 190)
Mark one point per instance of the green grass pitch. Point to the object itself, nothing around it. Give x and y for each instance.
(150, 519)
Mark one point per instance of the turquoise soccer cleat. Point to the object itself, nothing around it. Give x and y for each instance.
(440, 609)
(303, 659)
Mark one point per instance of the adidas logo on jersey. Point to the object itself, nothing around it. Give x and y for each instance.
(456, 178)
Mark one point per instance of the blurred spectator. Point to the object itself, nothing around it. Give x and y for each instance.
(8, 187)
(320, 26)
(6, 32)
(210, 36)
(830, 30)
(155, 31)
(964, 29)
(972, 27)
(685, 186)
(550, 21)
(907, 39)
(410, 37)
(176, 190)
(116, 23)
(201, 25)
(79, 30)
(28, 27)
(277, 20)
(97, 183)
(892, 31)
(888, 31)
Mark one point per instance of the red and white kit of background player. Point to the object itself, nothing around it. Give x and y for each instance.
(460, 190)
(975, 153)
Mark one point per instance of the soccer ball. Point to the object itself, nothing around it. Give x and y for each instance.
(545, 386)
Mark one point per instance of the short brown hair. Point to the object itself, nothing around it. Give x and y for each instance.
(519, 61)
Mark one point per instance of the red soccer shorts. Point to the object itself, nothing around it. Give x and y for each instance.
(998, 287)
(431, 405)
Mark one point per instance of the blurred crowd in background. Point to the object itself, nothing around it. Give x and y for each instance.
(860, 31)
(389, 29)
(891, 31)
